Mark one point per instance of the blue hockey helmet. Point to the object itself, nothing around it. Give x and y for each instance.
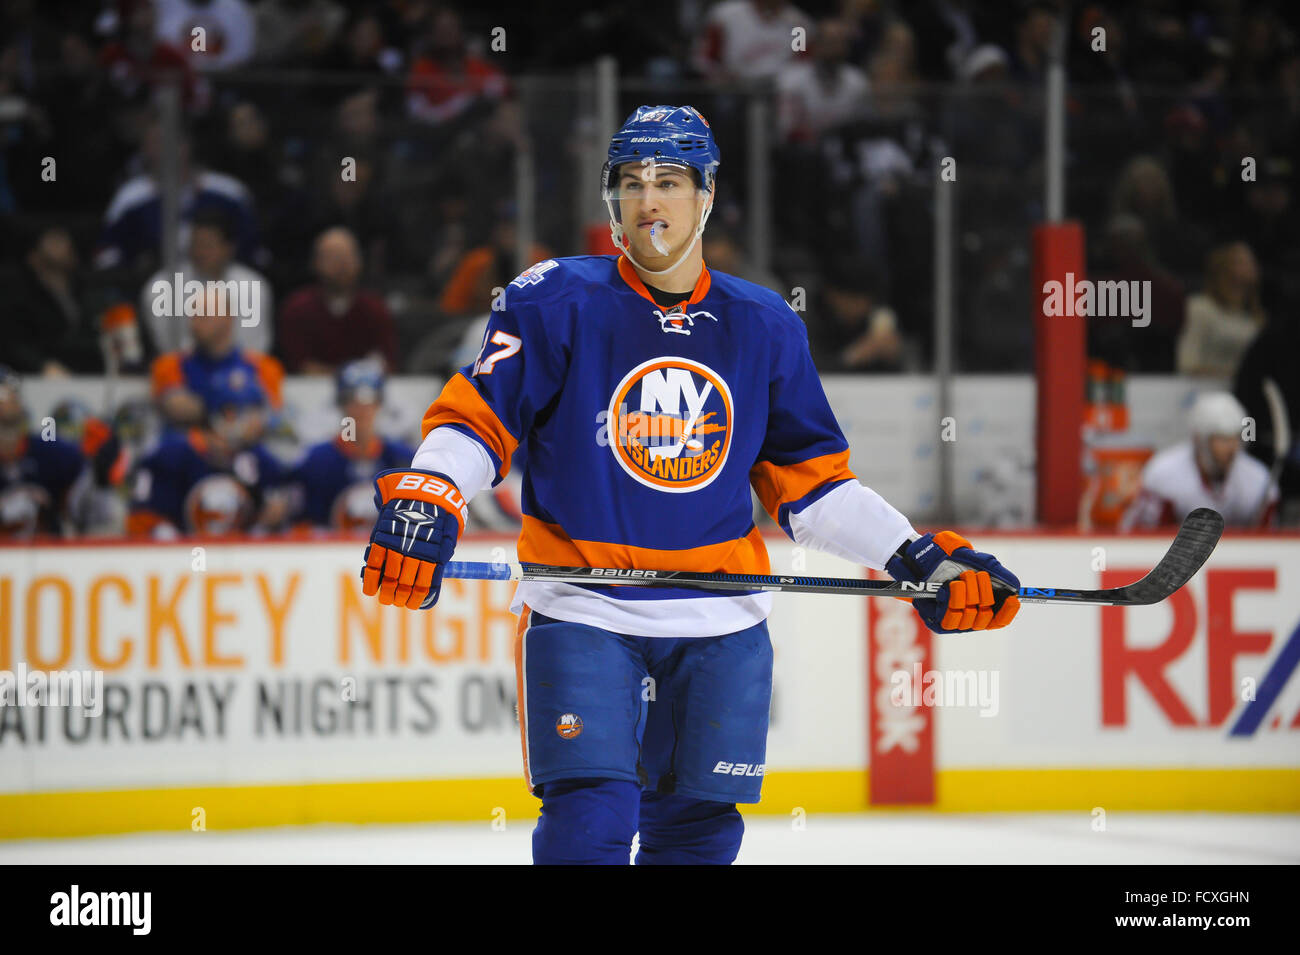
(667, 136)
(236, 389)
(671, 135)
(362, 379)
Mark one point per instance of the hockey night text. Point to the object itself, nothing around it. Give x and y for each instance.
(214, 656)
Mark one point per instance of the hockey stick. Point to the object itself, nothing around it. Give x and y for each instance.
(1281, 444)
(1195, 542)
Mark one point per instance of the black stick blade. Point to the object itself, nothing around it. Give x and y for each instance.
(1196, 540)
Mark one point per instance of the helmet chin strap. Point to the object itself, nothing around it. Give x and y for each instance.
(617, 233)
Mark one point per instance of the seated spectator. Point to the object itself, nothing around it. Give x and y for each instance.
(1033, 43)
(748, 39)
(358, 205)
(216, 478)
(229, 36)
(296, 33)
(1207, 470)
(132, 231)
(335, 321)
(487, 267)
(363, 50)
(247, 152)
(851, 330)
(1124, 257)
(446, 79)
(1266, 220)
(723, 253)
(44, 324)
(100, 511)
(334, 483)
(184, 383)
(1144, 190)
(813, 95)
(211, 259)
(42, 478)
(1222, 320)
(137, 61)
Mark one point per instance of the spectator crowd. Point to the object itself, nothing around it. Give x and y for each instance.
(345, 172)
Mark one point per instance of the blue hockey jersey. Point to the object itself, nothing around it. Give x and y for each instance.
(647, 428)
(36, 485)
(178, 484)
(335, 481)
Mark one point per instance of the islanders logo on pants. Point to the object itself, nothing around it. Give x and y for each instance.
(670, 423)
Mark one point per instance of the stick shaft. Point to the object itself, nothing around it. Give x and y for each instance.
(1195, 542)
(476, 570)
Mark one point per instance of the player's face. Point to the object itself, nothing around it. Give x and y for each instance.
(665, 194)
(363, 413)
(1223, 448)
(209, 250)
(238, 427)
(214, 331)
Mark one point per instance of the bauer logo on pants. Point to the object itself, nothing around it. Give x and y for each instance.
(569, 725)
(671, 421)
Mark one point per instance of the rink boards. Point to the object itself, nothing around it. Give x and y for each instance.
(251, 684)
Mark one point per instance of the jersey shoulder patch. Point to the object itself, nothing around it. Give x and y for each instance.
(534, 274)
(560, 277)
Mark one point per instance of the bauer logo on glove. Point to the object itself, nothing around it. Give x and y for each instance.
(977, 592)
(421, 516)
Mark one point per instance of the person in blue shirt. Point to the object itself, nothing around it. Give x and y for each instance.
(212, 480)
(333, 484)
(42, 477)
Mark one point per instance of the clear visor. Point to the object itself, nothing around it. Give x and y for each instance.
(653, 180)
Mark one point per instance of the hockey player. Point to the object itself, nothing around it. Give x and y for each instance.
(333, 482)
(213, 480)
(1209, 469)
(183, 382)
(42, 482)
(654, 394)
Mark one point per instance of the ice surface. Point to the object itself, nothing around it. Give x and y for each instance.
(891, 838)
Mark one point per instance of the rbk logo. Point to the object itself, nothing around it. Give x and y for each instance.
(677, 318)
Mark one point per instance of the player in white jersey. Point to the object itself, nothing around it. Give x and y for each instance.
(1209, 469)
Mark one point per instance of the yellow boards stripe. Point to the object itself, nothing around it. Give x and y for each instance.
(54, 814)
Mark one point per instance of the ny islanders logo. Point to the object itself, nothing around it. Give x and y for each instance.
(671, 422)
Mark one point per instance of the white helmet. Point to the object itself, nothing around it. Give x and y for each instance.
(1216, 413)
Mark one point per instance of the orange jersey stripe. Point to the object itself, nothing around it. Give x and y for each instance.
(543, 543)
(778, 484)
(521, 696)
(630, 276)
(271, 374)
(460, 403)
(165, 373)
(143, 523)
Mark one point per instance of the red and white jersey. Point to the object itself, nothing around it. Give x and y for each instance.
(740, 40)
(1172, 486)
